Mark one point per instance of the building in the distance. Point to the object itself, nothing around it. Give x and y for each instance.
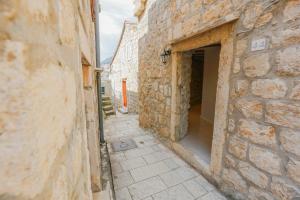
(124, 70)
(105, 82)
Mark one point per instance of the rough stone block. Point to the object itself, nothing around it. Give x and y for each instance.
(269, 88)
(283, 189)
(264, 19)
(253, 175)
(288, 61)
(231, 125)
(259, 134)
(290, 141)
(241, 46)
(251, 15)
(257, 65)
(230, 161)
(295, 94)
(250, 108)
(232, 178)
(238, 147)
(255, 194)
(286, 37)
(259, 156)
(291, 11)
(236, 66)
(241, 87)
(212, 14)
(283, 114)
(293, 169)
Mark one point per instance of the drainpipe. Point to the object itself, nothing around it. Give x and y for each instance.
(98, 71)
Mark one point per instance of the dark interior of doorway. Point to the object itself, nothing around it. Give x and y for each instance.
(203, 88)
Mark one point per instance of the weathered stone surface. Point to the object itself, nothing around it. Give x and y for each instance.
(288, 61)
(280, 56)
(213, 13)
(238, 147)
(257, 65)
(231, 125)
(290, 141)
(286, 37)
(241, 87)
(291, 11)
(241, 46)
(283, 114)
(253, 175)
(259, 156)
(283, 189)
(43, 131)
(250, 108)
(269, 88)
(293, 169)
(295, 94)
(230, 161)
(232, 178)
(259, 134)
(263, 20)
(251, 15)
(255, 194)
(236, 66)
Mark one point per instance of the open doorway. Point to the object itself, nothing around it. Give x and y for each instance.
(203, 89)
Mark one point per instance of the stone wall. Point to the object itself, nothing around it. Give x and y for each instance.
(43, 126)
(124, 67)
(260, 158)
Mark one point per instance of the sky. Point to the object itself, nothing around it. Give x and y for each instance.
(112, 16)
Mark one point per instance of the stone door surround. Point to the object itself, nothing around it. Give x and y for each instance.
(220, 35)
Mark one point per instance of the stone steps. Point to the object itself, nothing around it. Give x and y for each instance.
(106, 98)
(107, 108)
(106, 103)
(110, 112)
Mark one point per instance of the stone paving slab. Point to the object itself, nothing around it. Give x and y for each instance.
(152, 171)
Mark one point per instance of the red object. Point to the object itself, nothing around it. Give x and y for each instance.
(124, 94)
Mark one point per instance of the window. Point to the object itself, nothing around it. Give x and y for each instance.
(102, 90)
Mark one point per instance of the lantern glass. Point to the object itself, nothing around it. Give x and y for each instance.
(165, 55)
(163, 58)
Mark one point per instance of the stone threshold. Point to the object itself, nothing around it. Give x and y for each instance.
(189, 157)
(195, 161)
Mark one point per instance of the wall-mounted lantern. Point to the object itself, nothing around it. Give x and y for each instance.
(165, 55)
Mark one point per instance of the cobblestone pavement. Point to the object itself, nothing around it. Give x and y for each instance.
(151, 171)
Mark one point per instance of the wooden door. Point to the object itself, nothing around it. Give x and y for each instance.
(124, 94)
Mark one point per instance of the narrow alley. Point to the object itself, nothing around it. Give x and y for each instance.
(151, 171)
(150, 99)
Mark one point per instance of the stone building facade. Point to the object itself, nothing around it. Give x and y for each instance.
(105, 82)
(48, 125)
(256, 132)
(124, 69)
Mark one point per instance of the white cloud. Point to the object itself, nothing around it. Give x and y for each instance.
(113, 14)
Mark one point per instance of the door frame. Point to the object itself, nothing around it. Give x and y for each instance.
(222, 35)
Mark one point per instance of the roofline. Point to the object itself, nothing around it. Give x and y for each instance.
(120, 40)
(140, 7)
